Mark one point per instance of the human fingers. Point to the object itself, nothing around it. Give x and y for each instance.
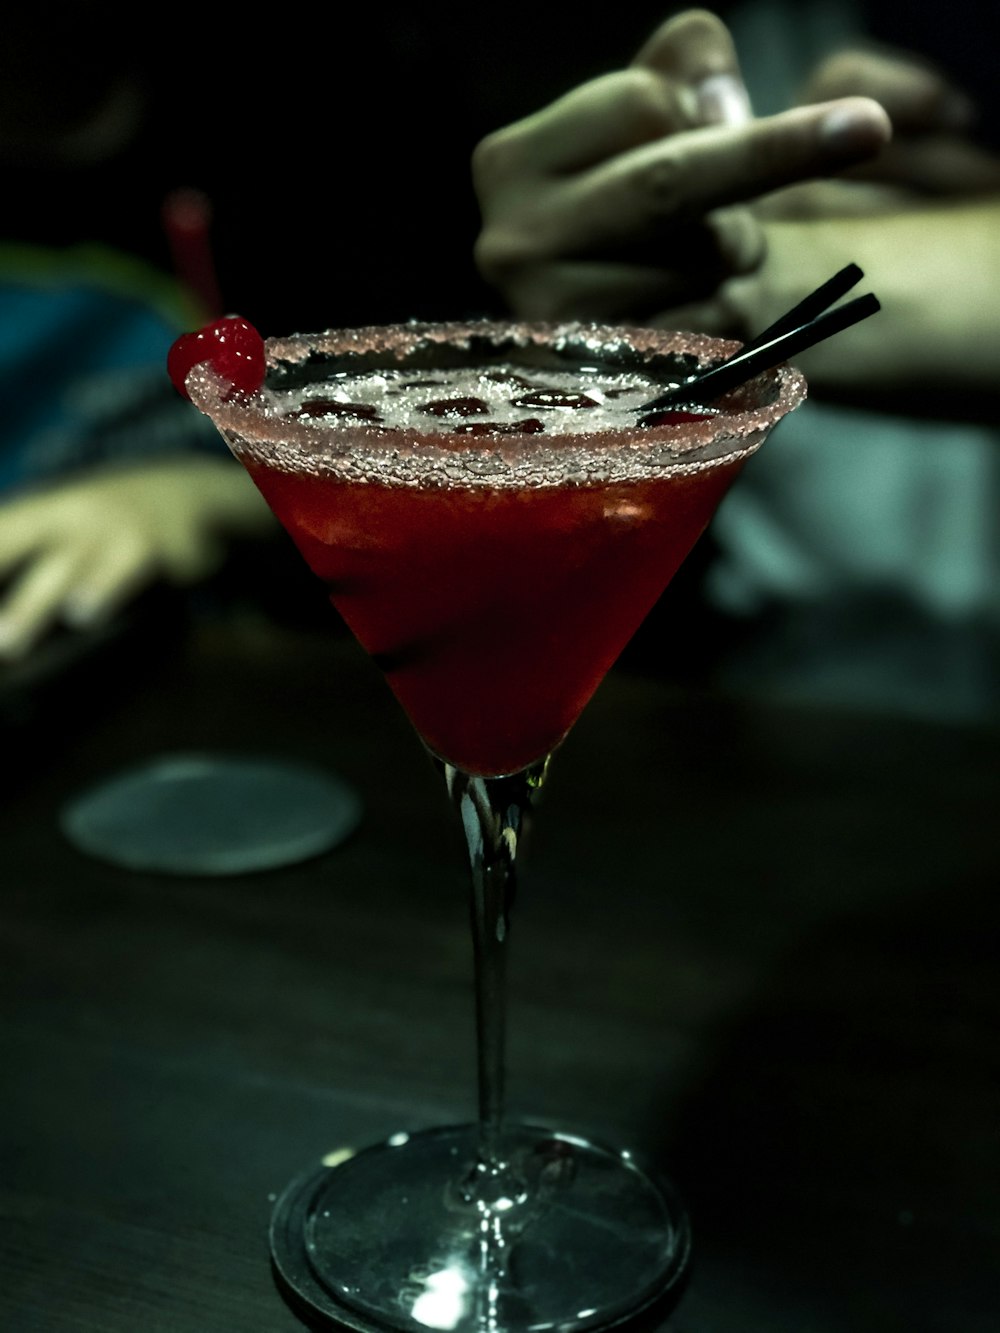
(696, 52)
(35, 601)
(713, 317)
(917, 97)
(686, 75)
(23, 531)
(932, 152)
(599, 119)
(659, 189)
(117, 570)
(591, 290)
(619, 293)
(939, 164)
(726, 242)
(167, 543)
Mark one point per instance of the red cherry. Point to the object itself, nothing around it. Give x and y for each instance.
(232, 347)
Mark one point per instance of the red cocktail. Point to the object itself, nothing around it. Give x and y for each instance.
(494, 613)
(494, 513)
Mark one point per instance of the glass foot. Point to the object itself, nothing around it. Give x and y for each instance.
(569, 1236)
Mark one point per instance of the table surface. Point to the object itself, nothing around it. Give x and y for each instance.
(756, 942)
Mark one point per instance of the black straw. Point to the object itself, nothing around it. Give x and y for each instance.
(811, 306)
(794, 332)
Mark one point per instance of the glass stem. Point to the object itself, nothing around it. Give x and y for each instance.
(493, 812)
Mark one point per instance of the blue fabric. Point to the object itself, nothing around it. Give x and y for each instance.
(83, 375)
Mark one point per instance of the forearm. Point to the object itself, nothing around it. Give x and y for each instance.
(936, 271)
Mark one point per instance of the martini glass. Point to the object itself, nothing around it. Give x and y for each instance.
(494, 516)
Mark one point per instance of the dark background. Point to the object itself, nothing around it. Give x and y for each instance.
(336, 150)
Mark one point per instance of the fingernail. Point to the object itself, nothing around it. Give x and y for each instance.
(856, 129)
(722, 100)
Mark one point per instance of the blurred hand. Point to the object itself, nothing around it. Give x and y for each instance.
(78, 550)
(931, 150)
(930, 155)
(624, 196)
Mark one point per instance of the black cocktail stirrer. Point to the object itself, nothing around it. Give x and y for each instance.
(806, 324)
(807, 309)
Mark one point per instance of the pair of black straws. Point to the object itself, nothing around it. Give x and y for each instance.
(807, 323)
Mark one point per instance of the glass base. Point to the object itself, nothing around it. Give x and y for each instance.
(569, 1235)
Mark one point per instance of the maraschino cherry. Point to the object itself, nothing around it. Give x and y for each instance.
(231, 346)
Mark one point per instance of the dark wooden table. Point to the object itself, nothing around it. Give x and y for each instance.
(757, 942)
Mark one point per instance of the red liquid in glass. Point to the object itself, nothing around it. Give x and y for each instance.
(494, 612)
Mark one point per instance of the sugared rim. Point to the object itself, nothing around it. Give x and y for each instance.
(258, 433)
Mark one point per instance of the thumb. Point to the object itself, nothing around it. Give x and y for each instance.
(696, 52)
